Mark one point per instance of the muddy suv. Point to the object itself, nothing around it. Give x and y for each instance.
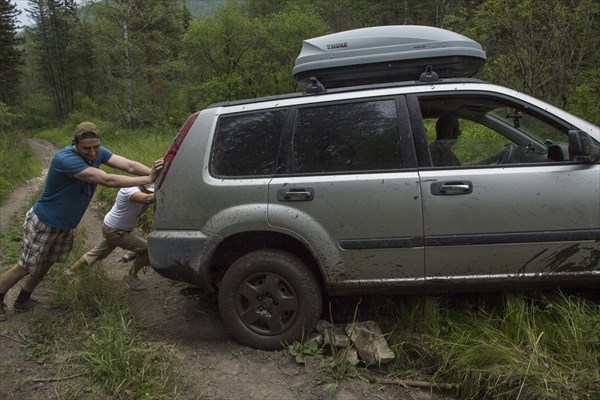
(277, 202)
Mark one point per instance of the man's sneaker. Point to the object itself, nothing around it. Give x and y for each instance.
(29, 305)
(68, 274)
(133, 282)
(2, 312)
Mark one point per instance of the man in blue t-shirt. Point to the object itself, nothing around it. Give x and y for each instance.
(71, 182)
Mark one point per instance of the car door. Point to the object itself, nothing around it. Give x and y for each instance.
(516, 209)
(348, 188)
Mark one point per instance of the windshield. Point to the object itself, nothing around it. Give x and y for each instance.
(532, 126)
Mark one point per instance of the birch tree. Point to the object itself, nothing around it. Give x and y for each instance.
(137, 43)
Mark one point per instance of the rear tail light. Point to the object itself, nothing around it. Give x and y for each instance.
(174, 148)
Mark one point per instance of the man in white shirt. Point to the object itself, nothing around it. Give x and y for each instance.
(117, 231)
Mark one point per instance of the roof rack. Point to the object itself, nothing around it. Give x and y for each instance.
(429, 75)
(315, 86)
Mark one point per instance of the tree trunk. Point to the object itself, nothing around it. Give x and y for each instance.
(128, 77)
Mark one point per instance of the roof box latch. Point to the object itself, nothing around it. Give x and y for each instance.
(315, 86)
(429, 75)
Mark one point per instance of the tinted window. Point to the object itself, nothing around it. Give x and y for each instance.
(347, 137)
(247, 144)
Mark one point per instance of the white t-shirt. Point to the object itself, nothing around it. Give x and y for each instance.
(124, 213)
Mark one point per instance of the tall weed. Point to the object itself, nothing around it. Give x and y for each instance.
(542, 347)
(123, 364)
(119, 361)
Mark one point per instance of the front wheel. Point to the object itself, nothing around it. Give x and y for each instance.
(269, 298)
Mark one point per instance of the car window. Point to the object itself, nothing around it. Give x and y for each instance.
(467, 130)
(359, 136)
(247, 144)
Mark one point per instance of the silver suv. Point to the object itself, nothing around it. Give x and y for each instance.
(280, 201)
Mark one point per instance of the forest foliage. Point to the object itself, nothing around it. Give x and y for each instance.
(150, 63)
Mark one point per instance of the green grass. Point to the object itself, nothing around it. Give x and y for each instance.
(496, 346)
(124, 364)
(17, 162)
(85, 331)
(528, 348)
(10, 243)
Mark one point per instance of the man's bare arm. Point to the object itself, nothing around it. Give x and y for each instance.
(127, 165)
(142, 198)
(99, 177)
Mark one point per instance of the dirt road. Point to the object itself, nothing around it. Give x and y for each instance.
(216, 366)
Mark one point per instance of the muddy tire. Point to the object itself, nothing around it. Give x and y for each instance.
(269, 298)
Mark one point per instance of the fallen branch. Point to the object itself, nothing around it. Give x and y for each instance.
(57, 378)
(410, 383)
(23, 342)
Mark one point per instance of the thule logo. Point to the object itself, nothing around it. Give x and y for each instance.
(337, 45)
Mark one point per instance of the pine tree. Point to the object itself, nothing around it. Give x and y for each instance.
(55, 22)
(10, 55)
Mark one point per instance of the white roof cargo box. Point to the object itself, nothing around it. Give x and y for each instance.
(386, 54)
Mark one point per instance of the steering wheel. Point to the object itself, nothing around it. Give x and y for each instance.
(510, 154)
(516, 154)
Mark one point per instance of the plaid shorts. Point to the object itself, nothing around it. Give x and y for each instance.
(43, 243)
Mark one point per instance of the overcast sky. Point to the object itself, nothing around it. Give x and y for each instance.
(21, 5)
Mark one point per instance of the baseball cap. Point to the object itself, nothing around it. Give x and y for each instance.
(86, 130)
(149, 187)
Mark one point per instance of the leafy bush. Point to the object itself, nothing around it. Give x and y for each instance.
(299, 351)
(7, 118)
(36, 111)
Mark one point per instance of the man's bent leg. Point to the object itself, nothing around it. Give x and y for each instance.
(130, 241)
(11, 277)
(31, 282)
(24, 302)
(8, 280)
(99, 252)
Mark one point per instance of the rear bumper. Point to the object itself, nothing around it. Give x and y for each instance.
(183, 256)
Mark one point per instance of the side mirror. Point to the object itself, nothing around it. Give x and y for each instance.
(583, 148)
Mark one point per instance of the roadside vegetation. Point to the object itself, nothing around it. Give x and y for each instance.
(17, 162)
(91, 339)
(500, 345)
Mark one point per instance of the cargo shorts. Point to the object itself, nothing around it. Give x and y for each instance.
(43, 243)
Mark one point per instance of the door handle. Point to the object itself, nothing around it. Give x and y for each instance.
(450, 188)
(296, 194)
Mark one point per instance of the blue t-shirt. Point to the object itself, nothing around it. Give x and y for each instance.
(65, 198)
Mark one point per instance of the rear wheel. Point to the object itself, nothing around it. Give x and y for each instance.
(269, 298)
